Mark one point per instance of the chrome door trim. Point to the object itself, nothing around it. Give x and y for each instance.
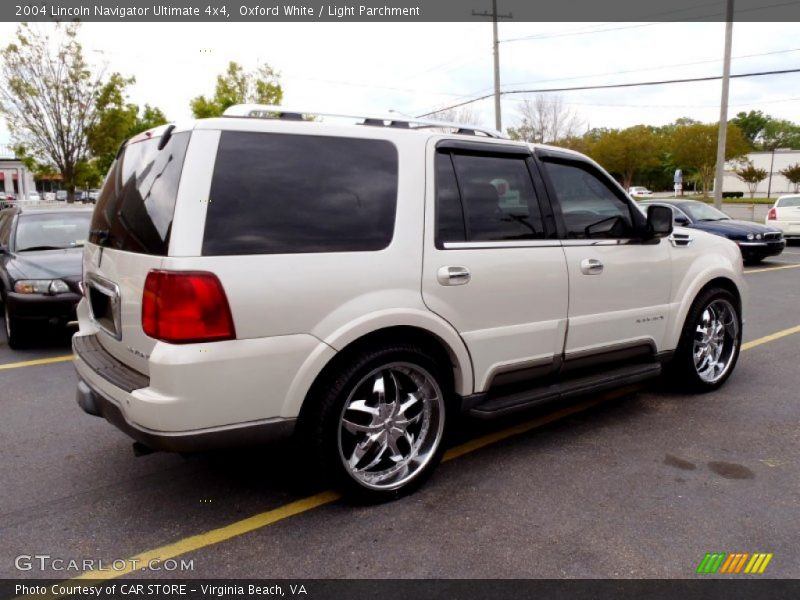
(502, 244)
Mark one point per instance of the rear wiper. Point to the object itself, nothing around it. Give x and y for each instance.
(40, 248)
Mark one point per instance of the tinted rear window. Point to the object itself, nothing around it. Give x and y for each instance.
(285, 194)
(136, 205)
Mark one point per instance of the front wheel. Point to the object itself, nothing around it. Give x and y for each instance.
(710, 341)
(378, 426)
(14, 329)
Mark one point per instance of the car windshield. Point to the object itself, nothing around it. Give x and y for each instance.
(52, 231)
(698, 211)
(786, 202)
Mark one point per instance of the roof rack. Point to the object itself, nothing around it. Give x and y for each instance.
(268, 111)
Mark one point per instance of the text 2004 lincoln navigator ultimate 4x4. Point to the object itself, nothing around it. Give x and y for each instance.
(355, 285)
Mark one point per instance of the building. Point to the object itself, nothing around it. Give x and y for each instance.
(769, 161)
(15, 178)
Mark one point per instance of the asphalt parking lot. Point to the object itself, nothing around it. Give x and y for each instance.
(641, 485)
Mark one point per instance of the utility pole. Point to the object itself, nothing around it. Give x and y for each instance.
(498, 121)
(723, 107)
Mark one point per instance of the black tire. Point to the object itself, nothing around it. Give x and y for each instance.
(15, 330)
(321, 429)
(684, 372)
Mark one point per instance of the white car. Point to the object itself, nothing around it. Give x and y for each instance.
(785, 215)
(413, 275)
(638, 191)
(49, 196)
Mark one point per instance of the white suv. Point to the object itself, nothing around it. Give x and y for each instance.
(259, 275)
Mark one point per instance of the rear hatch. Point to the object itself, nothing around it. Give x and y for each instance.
(129, 236)
(788, 211)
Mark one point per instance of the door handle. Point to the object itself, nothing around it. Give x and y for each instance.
(591, 266)
(453, 275)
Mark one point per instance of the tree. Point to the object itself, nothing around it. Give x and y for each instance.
(779, 133)
(47, 95)
(694, 147)
(236, 86)
(752, 125)
(117, 121)
(751, 175)
(792, 173)
(626, 151)
(545, 120)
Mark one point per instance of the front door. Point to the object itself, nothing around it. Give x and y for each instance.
(619, 286)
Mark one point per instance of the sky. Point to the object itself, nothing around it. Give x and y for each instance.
(411, 68)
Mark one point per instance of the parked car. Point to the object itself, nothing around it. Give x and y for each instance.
(755, 241)
(93, 195)
(785, 215)
(638, 191)
(34, 197)
(415, 275)
(61, 195)
(40, 267)
(49, 196)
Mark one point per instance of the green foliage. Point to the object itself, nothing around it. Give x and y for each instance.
(627, 151)
(47, 96)
(236, 86)
(752, 125)
(752, 176)
(117, 121)
(779, 133)
(792, 173)
(694, 147)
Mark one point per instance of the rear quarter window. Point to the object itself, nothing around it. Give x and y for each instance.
(286, 194)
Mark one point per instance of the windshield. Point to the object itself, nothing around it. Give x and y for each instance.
(786, 202)
(52, 231)
(698, 211)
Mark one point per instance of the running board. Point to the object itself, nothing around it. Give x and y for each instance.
(499, 406)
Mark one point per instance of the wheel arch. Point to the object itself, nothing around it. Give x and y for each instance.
(449, 349)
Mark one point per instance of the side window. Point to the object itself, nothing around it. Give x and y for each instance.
(590, 207)
(449, 213)
(286, 194)
(498, 198)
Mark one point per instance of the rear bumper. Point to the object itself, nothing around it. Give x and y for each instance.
(43, 307)
(93, 402)
(110, 389)
(790, 229)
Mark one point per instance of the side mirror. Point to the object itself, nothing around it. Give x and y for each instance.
(659, 221)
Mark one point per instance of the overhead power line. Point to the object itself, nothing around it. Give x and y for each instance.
(611, 86)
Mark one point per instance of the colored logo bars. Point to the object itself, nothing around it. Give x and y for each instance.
(736, 562)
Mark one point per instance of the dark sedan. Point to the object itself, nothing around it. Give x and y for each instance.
(756, 241)
(40, 267)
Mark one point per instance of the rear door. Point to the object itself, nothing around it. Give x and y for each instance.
(130, 235)
(492, 265)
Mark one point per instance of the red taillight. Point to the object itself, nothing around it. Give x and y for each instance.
(183, 307)
(772, 214)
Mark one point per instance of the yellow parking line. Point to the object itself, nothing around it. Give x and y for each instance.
(771, 337)
(764, 270)
(270, 517)
(38, 361)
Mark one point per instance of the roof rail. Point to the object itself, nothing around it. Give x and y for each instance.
(268, 111)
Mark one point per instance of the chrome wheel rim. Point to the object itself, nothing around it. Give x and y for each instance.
(391, 426)
(716, 339)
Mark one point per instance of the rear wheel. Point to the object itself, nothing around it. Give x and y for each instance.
(710, 341)
(377, 427)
